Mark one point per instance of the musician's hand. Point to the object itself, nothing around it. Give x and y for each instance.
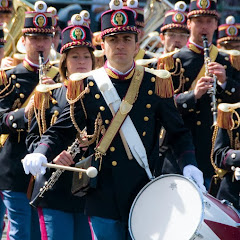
(218, 70)
(64, 158)
(47, 80)
(237, 173)
(7, 62)
(32, 163)
(29, 106)
(202, 86)
(195, 174)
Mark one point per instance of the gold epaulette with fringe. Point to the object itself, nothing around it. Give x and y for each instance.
(225, 116)
(42, 95)
(163, 83)
(234, 57)
(167, 60)
(75, 85)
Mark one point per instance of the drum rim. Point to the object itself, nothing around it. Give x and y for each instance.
(152, 181)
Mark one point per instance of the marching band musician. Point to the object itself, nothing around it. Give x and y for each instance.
(226, 153)
(192, 82)
(229, 35)
(64, 210)
(174, 32)
(148, 103)
(17, 85)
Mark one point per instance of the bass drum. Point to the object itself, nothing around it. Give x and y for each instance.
(172, 207)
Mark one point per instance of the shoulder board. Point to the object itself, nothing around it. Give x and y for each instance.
(167, 60)
(234, 56)
(163, 82)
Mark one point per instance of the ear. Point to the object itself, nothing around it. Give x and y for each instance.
(103, 46)
(137, 47)
(23, 40)
(189, 24)
(162, 37)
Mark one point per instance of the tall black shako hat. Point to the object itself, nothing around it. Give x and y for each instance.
(203, 8)
(38, 21)
(2, 41)
(118, 19)
(176, 18)
(6, 6)
(77, 34)
(229, 31)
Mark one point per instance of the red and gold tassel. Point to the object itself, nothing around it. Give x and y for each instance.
(74, 89)
(40, 99)
(225, 119)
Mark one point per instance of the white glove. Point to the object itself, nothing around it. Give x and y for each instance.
(32, 163)
(195, 174)
(237, 173)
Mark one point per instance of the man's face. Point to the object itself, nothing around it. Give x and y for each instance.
(35, 44)
(174, 38)
(120, 49)
(203, 25)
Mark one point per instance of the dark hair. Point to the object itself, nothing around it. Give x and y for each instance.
(62, 63)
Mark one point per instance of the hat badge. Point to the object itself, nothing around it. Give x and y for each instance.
(232, 31)
(178, 18)
(203, 4)
(40, 20)
(4, 3)
(77, 33)
(119, 18)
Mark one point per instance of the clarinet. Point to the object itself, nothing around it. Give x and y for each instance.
(41, 67)
(74, 149)
(212, 90)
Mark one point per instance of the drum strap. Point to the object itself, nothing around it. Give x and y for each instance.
(122, 120)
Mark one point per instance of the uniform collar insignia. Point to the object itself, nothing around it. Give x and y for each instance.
(113, 74)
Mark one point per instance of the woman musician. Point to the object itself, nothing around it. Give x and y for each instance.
(226, 154)
(60, 213)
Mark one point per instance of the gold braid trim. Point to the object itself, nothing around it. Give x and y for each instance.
(6, 94)
(54, 117)
(97, 128)
(71, 101)
(219, 172)
(30, 116)
(43, 114)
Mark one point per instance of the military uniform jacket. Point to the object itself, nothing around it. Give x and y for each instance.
(120, 179)
(197, 115)
(60, 196)
(225, 157)
(12, 122)
(22, 81)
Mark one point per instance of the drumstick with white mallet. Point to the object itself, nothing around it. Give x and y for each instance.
(91, 171)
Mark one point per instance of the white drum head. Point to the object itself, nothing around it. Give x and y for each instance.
(168, 208)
